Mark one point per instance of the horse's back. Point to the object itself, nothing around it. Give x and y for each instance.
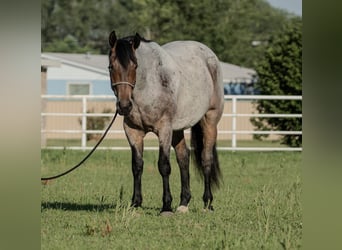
(199, 85)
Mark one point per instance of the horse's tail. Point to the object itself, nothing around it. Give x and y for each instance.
(197, 148)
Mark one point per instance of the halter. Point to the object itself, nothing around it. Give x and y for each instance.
(123, 83)
(132, 85)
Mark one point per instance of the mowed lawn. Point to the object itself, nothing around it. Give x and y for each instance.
(257, 207)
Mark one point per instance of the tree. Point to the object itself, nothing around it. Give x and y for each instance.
(96, 123)
(74, 25)
(228, 27)
(280, 73)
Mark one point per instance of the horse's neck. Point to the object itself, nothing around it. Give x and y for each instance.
(155, 68)
(148, 57)
(147, 54)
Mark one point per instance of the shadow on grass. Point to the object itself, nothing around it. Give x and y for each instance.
(68, 206)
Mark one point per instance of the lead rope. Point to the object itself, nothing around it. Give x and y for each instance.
(86, 157)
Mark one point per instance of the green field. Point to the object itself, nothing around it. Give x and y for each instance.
(257, 207)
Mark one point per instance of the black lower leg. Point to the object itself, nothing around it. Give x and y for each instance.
(185, 179)
(167, 197)
(165, 171)
(185, 192)
(183, 160)
(207, 195)
(137, 169)
(137, 196)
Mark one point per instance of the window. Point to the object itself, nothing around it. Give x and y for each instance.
(79, 89)
(240, 88)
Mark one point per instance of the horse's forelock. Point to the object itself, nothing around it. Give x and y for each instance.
(124, 52)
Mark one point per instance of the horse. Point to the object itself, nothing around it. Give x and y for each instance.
(165, 90)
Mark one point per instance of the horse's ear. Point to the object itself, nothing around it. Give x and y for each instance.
(137, 39)
(112, 39)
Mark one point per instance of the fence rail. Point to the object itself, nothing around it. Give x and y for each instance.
(233, 114)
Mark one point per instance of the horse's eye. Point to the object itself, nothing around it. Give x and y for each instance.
(110, 68)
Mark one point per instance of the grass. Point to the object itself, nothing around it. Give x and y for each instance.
(257, 207)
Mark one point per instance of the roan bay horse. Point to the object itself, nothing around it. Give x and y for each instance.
(164, 90)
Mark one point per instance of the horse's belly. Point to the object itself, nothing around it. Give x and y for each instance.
(193, 101)
(188, 115)
(185, 122)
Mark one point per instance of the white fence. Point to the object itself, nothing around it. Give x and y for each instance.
(231, 113)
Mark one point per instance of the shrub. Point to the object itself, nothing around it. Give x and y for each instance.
(96, 123)
(280, 73)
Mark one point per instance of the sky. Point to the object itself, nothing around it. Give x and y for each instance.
(293, 6)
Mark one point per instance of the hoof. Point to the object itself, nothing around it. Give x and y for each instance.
(208, 209)
(183, 209)
(166, 213)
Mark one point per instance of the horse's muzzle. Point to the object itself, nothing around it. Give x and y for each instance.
(124, 107)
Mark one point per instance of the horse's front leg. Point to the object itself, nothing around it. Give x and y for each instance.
(136, 141)
(164, 166)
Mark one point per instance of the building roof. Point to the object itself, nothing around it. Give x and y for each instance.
(44, 62)
(99, 64)
(94, 63)
(234, 73)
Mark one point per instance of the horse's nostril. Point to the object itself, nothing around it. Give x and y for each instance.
(124, 104)
(124, 107)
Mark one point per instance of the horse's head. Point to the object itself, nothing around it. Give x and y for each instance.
(122, 69)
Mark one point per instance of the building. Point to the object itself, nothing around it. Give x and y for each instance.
(88, 74)
(238, 80)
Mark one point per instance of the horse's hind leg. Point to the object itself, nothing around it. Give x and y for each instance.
(210, 163)
(183, 158)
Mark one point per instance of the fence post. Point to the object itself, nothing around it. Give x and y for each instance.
(234, 122)
(84, 122)
(43, 80)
